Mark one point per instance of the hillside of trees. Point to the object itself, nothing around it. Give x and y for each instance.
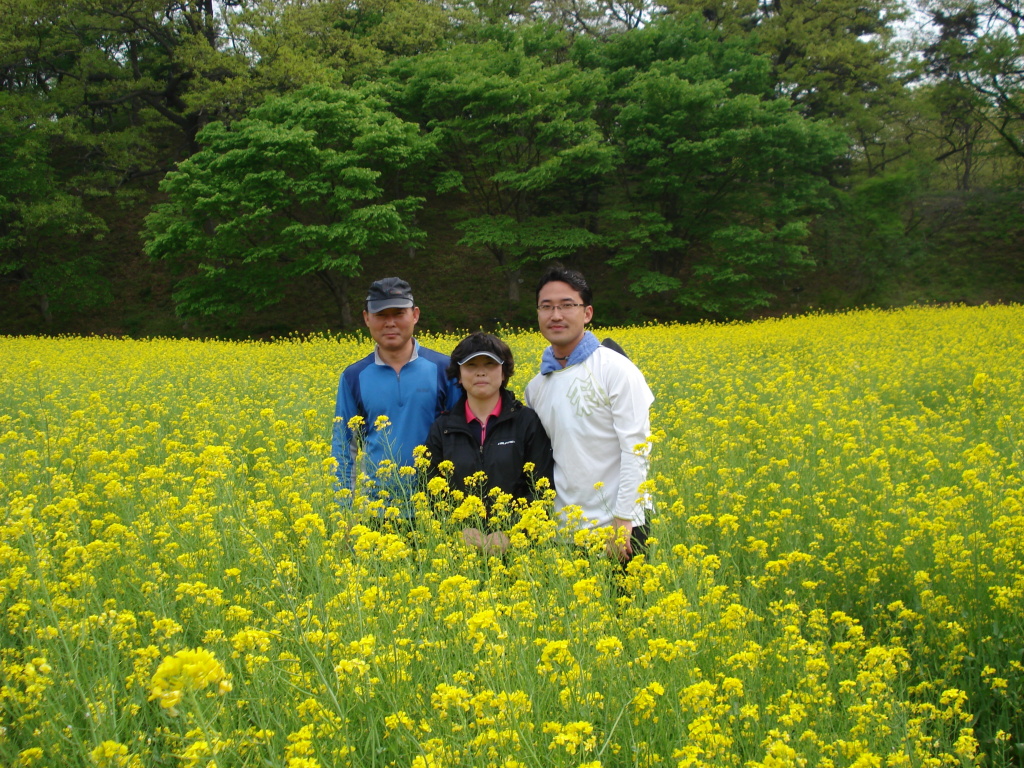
(246, 168)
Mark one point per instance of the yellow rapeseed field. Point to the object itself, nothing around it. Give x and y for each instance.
(836, 577)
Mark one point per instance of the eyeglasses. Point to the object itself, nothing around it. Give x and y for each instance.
(564, 308)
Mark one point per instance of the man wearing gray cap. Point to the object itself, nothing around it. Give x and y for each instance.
(400, 380)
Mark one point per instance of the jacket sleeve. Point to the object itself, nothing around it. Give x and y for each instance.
(631, 400)
(435, 446)
(537, 451)
(343, 441)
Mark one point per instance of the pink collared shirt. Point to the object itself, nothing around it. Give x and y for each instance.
(471, 417)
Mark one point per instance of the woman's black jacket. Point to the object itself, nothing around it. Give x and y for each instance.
(514, 437)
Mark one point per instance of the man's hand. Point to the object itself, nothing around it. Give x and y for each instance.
(620, 543)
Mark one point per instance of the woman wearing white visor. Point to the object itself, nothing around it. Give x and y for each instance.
(490, 432)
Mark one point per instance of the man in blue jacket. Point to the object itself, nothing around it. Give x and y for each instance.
(399, 380)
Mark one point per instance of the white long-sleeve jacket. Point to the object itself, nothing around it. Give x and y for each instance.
(597, 413)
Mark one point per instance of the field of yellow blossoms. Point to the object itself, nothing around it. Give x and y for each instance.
(836, 578)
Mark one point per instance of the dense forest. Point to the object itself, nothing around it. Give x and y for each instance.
(247, 167)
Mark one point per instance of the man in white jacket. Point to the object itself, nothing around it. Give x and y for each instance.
(595, 405)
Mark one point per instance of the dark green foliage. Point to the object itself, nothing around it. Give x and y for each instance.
(674, 150)
(45, 230)
(872, 231)
(717, 179)
(983, 234)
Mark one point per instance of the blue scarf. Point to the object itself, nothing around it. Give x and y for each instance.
(583, 350)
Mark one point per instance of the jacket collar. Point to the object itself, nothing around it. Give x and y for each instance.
(458, 412)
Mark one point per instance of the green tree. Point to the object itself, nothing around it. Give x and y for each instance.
(341, 40)
(45, 231)
(306, 184)
(979, 47)
(519, 146)
(831, 57)
(128, 69)
(718, 179)
(956, 123)
(123, 88)
(835, 59)
(97, 100)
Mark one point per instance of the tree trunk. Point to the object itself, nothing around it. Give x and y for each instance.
(965, 179)
(338, 286)
(44, 307)
(345, 306)
(514, 280)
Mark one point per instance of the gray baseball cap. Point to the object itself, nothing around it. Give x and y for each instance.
(389, 293)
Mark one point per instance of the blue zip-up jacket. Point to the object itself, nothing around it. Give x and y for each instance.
(411, 399)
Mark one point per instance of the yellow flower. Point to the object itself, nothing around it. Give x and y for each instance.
(113, 754)
(398, 720)
(571, 737)
(437, 485)
(187, 671)
(645, 700)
